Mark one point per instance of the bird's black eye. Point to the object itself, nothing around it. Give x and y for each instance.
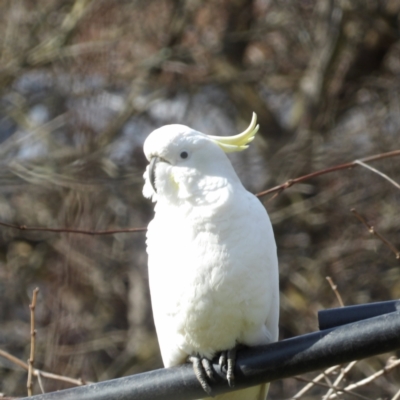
(184, 154)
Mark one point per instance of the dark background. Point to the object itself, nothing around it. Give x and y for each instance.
(82, 84)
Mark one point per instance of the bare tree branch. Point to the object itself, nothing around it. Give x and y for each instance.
(348, 165)
(31, 359)
(44, 374)
(378, 172)
(373, 231)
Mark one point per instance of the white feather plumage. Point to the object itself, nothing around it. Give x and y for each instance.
(213, 268)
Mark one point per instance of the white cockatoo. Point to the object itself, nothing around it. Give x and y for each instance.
(213, 267)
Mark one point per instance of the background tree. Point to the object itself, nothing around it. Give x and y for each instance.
(82, 83)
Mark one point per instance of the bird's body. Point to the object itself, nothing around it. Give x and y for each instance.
(212, 256)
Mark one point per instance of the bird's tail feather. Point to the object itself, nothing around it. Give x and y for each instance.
(253, 393)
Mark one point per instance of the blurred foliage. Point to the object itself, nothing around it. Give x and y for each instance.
(82, 83)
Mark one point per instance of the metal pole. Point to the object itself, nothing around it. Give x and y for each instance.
(345, 315)
(254, 365)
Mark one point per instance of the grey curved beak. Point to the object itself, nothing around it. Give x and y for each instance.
(152, 172)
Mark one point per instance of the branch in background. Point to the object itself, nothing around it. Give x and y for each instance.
(130, 108)
(335, 386)
(229, 65)
(33, 339)
(277, 190)
(29, 366)
(396, 396)
(66, 230)
(335, 290)
(353, 164)
(379, 173)
(374, 232)
(326, 34)
(313, 382)
(44, 374)
(50, 49)
(240, 18)
(15, 59)
(343, 371)
(339, 391)
(391, 364)
(14, 359)
(182, 14)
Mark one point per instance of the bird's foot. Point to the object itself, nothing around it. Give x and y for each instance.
(227, 360)
(204, 372)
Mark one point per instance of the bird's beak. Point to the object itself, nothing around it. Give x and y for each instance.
(152, 172)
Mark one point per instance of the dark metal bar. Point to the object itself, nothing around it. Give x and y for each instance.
(254, 365)
(333, 317)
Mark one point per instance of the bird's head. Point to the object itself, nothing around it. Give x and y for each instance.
(185, 162)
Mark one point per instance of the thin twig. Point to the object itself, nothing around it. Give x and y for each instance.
(335, 290)
(339, 390)
(49, 375)
(396, 396)
(13, 359)
(390, 365)
(39, 376)
(377, 234)
(331, 386)
(44, 374)
(312, 383)
(49, 49)
(277, 189)
(378, 172)
(66, 230)
(342, 374)
(33, 339)
(348, 165)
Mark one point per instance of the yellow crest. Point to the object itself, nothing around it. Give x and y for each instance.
(239, 142)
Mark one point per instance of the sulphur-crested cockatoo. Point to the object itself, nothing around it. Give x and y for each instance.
(213, 267)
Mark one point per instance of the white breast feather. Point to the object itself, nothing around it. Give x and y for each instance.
(213, 281)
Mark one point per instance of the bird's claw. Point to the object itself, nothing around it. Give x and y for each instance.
(227, 360)
(203, 369)
(208, 368)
